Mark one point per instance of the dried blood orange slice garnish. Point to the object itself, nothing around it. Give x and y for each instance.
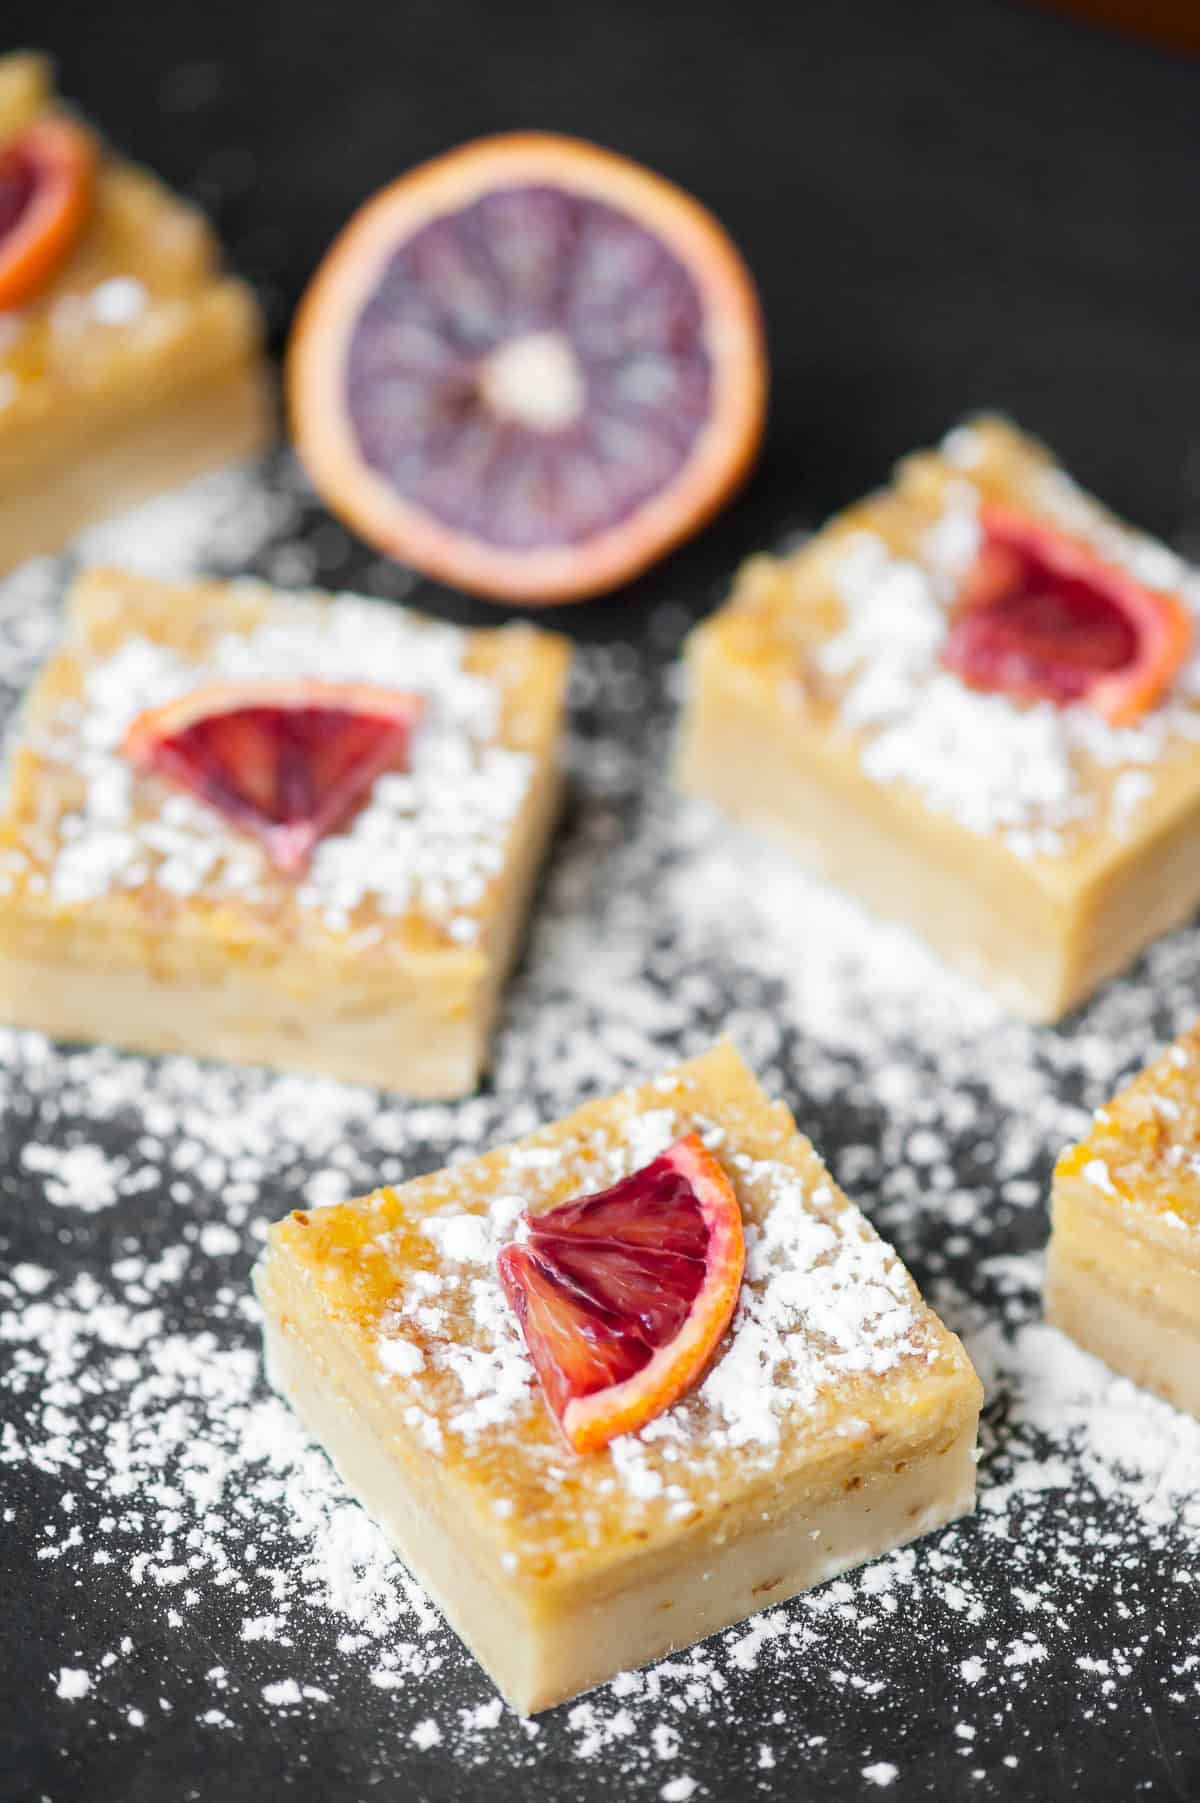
(1043, 617)
(623, 1296)
(47, 173)
(529, 367)
(285, 761)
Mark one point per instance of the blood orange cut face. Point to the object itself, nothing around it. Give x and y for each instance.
(529, 367)
(46, 179)
(286, 762)
(18, 183)
(623, 1297)
(1043, 618)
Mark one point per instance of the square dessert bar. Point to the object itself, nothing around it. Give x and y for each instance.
(837, 1420)
(132, 912)
(1123, 1275)
(1037, 846)
(136, 365)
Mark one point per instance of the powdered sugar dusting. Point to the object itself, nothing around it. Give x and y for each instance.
(431, 838)
(181, 1536)
(823, 1300)
(1025, 773)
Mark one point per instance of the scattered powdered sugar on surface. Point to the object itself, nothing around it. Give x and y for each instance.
(192, 1552)
(76, 1176)
(994, 767)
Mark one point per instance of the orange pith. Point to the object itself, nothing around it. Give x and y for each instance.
(541, 572)
(58, 159)
(590, 1420)
(1158, 623)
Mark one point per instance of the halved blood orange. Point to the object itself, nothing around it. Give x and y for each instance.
(529, 367)
(47, 173)
(1043, 616)
(623, 1296)
(285, 761)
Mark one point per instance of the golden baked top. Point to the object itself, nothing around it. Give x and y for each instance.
(419, 868)
(847, 635)
(831, 1348)
(1143, 1151)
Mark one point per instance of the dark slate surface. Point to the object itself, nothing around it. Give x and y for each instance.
(947, 204)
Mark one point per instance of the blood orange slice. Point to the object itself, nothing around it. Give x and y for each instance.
(285, 761)
(529, 367)
(1043, 616)
(623, 1296)
(46, 177)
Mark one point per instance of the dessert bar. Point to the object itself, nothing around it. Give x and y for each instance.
(1123, 1276)
(972, 700)
(129, 362)
(288, 829)
(834, 1418)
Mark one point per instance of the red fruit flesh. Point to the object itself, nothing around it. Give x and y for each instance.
(18, 183)
(289, 775)
(1038, 633)
(46, 182)
(576, 1346)
(1043, 618)
(600, 1284)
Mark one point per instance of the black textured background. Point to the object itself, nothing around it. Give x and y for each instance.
(947, 203)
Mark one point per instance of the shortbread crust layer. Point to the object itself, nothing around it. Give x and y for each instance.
(841, 1423)
(1129, 1332)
